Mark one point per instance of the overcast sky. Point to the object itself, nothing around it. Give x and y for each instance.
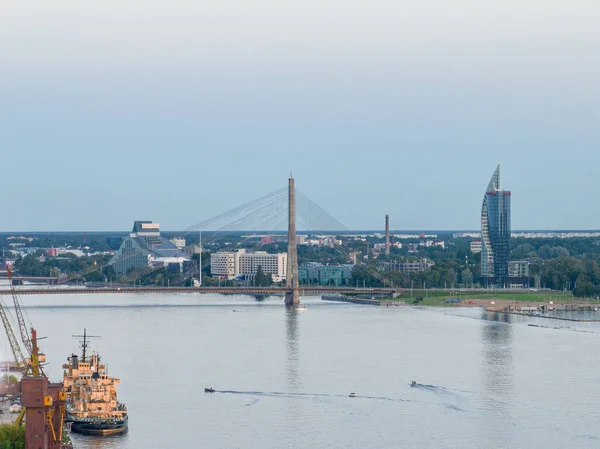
(177, 111)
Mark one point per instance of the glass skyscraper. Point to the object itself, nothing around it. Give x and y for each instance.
(495, 233)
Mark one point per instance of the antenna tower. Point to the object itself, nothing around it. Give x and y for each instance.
(84, 343)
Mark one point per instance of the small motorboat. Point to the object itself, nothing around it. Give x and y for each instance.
(413, 384)
(209, 390)
(352, 395)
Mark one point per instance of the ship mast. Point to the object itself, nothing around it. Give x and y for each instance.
(84, 342)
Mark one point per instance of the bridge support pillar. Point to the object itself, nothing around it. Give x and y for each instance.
(292, 295)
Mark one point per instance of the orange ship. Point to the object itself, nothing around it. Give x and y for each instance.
(92, 405)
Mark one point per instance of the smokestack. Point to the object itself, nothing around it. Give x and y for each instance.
(387, 235)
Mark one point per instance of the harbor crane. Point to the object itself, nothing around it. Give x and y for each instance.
(49, 416)
(29, 342)
(27, 367)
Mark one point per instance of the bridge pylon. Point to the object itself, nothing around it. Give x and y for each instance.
(292, 295)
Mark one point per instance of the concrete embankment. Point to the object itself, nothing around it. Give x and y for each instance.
(548, 311)
(542, 315)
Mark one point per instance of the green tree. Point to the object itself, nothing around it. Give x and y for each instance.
(467, 277)
(262, 279)
(8, 379)
(12, 436)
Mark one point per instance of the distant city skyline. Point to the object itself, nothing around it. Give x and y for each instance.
(176, 112)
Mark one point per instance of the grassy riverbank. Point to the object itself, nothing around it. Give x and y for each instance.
(438, 298)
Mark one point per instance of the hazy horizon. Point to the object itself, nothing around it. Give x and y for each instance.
(178, 111)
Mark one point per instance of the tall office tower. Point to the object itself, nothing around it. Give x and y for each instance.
(495, 233)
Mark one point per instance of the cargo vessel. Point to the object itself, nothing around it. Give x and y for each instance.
(92, 407)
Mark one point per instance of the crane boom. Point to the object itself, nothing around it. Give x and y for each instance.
(19, 313)
(22, 365)
(27, 367)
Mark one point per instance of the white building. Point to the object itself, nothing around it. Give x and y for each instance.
(75, 252)
(430, 243)
(518, 268)
(193, 249)
(240, 263)
(178, 242)
(476, 246)
(276, 264)
(379, 247)
(473, 235)
(325, 241)
(226, 264)
(409, 267)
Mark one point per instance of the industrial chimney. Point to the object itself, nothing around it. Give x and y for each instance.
(387, 235)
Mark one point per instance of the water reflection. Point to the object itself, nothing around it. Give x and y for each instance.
(291, 343)
(497, 316)
(497, 372)
(99, 442)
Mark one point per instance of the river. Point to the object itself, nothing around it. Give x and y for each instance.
(283, 378)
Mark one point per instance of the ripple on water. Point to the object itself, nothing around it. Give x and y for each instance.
(285, 377)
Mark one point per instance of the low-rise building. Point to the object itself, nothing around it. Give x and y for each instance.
(321, 241)
(275, 264)
(378, 247)
(332, 274)
(408, 267)
(233, 264)
(518, 268)
(475, 246)
(179, 242)
(308, 273)
(430, 243)
(56, 252)
(226, 264)
(518, 274)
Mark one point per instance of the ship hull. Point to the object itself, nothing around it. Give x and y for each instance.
(99, 428)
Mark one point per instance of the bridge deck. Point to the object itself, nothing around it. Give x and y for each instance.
(223, 290)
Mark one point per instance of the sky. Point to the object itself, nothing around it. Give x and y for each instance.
(177, 111)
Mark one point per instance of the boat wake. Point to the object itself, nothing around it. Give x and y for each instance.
(439, 390)
(448, 396)
(303, 395)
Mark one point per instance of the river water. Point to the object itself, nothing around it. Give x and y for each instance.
(283, 378)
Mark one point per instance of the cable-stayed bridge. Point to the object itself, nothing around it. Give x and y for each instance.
(283, 207)
(271, 213)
